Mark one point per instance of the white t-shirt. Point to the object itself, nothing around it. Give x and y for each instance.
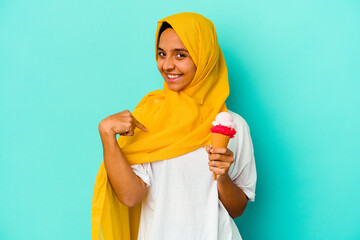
(182, 197)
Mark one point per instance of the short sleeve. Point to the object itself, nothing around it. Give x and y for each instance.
(143, 171)
(243, 170)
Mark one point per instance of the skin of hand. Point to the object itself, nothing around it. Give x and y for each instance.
(122, 123)
(128, 187)
(232, 197)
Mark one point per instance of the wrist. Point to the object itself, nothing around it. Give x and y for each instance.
(224, 178)
(105, 129)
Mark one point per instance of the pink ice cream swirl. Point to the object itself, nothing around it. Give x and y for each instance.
(223, 124)
(223, 130)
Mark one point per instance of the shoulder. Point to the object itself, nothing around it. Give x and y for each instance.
(239, 121)
(242, 139)
(242, 171)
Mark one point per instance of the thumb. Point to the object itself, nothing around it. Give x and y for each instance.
(208, 148)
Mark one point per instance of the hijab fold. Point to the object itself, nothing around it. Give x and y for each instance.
(177, 122)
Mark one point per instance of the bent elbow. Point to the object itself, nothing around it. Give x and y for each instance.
(236, 214)
(131, 204)
(128, 202)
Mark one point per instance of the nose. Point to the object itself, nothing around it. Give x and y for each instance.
(168, 64)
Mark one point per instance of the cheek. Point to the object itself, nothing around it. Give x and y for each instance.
(190, 67)
(159, 65)
(194, 70)
(191, 70)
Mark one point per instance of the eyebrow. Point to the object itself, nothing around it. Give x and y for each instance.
(176, 49)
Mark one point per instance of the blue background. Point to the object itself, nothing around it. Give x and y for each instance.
(294, 76)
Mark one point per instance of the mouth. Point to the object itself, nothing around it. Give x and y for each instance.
(172, 78)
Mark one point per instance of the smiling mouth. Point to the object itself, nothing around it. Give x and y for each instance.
(173, 78)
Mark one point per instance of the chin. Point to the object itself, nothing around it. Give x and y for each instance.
(174, 87)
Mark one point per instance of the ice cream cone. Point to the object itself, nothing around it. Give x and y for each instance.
(219, 140)
(223, 129)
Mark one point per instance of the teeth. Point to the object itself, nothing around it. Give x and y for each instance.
(173, 76)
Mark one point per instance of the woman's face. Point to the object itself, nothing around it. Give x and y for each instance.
(174, 61)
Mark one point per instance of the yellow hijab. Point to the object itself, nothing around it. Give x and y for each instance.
(177, 122)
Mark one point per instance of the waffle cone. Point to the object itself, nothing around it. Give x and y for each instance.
(219, 140)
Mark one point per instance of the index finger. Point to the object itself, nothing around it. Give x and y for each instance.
(139, 125)
(224, 151)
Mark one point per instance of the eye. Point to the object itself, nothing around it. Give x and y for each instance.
(161, 54)
(180, 55)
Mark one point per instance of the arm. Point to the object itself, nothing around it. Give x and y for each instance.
(232, 197)
(128, 187)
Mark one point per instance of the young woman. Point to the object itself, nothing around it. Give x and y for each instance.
(162, 161)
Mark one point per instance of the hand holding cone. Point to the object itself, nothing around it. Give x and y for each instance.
(223, 130)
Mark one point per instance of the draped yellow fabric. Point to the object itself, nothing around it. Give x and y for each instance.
(177, 122)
